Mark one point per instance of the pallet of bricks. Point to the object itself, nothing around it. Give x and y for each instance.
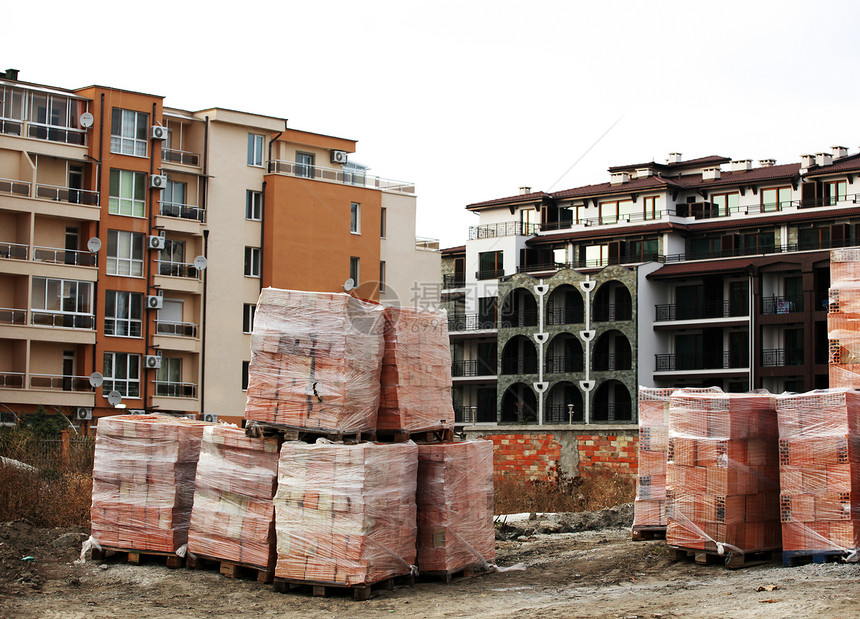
(233, 517)
(819, 464)
(143, 485)
(722, 497)
(843, 318)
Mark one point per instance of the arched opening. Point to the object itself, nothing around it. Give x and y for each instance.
(612, 352)
(612, 403)
(564, 354)
(560, 396)
(519, 309)
(564, 306)
(612, 303)
(519, 404)
(519, 356)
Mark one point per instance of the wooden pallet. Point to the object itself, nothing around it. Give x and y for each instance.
(647, 532)
(793, 558)
(442, 435)
(259, 429)
(136, 557)
(450, 576)
(730, 559)
(231, 569)
(360, 592)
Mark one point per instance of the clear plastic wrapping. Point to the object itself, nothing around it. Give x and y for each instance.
(819, 466)
(315, 361)
(843, 318)
(416, 371)
(143, 481)
(455, 506)
(233, 517)
(345, 514)
(722, 475)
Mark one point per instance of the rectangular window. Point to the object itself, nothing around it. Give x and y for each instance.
(245, 365)
(171, 259)
(724, 204)
(833, 192)
(253, 205)
(305, 165)
(248, 312)
(125, 253)
(129, 132)
(123, 313)
(62, 303)
(168, 379)
(382, 276)
(490, 265)
(255, 149)
(596, 255)
(355, 218)
(252, 262)
(775, 199)
(127, 193)
(354, 269)
(382, 222)
(173, 199)
(650, 207)
(121, 373)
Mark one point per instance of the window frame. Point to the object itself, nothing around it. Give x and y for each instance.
(129, 321)
(118, 179)
(355, 269)
(129, 128)
(355, 217)
(253, 260)
(383, 223)
(256, 142)
(305, 168)
(382, 276)
(134, 246)
(109, 368)
(245, 372)
(249, 311)
(253, 205)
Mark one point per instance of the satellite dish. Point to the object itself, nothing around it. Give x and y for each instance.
(200, 263)
(94, 244)
(114, 398)
(96, 380)
(87, 120)
(349, 284)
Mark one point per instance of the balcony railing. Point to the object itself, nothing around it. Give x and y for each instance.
(172, 155)
(11, 316)
(564, 315)
(64, 256)
(60, 382)
(11, 380)
(694, 311)
(453, 281)
(181, 329)
(490, 274)
(167, 389)
(556, 365)
(779, 357)
(67, 194)
(560, 413)
(67, 135)
(525, 318)
(611, 312)
(694, 361)
(346, 176)
(505, 228)
(781, 305)
(469, 322)
(177, 269)
(183, 211)
(15, 251)
(611, 362)
(62, 319)
(610, 413)
(14, 188)
(519, 366)
(426, 244)
(465, 414)
(473, 367)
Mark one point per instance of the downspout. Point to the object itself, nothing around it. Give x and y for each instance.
(263, 202)
(148, 263)
(98, 223)
(204, 199)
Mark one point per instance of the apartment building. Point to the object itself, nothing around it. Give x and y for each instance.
(135, 239)
(706, 272)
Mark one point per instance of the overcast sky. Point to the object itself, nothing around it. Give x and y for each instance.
(471, 100)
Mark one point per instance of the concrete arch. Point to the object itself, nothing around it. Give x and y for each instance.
(612, 302)
(519, 356)
(612, 402)
(612, 352)
(519, 404)
(564, 354)
(560, 395)
(519, 309)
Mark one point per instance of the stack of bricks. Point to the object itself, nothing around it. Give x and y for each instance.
(455, 506)
(722, 472)
(315, 361)
(819, 465)
(416, 371)
(233, 518)
(345, 514)
(843, 318)
(143, 481)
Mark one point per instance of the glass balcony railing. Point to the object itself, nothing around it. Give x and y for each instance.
(178, 269)
(180, 329)
(168, 389)
(60, 382)
(172, 155)
(68, 320)
(345, 176)
(182, 211)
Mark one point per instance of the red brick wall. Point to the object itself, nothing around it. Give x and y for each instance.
(620, 452)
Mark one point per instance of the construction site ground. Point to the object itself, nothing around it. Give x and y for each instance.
(597, 572)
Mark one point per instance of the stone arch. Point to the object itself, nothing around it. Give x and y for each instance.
(564, 306)
(560, 395)
(519, 309)
(612, 402)
(564, 354)
(519, 404)
(519, 356)
(612, 302)
(612, 352)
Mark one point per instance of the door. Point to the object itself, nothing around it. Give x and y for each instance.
(70, 256)
(793, 346)
(486, 405)
(738, 349)
(169, 319)
(68, 369)
(76, 183)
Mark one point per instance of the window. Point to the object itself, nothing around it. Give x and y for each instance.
(248, 312)
(121, 373)
(596, 255)
(775, 199)
(382, 222)
(125, 253)
(354, 269)
(128, 132)
(650, 207)
(305, 165)
(490, 265)
(355, 218)
(725, 203)
(171, 260)
(615, 211)
(123, 311)
(62, 303)
(252, 262)
(173, 199)
(127, 193)
(253, 205)
(245, 365)
(382, 276)
(11, 110)
(55, 118)
(168, 379)
(255, 149)
(833, 192)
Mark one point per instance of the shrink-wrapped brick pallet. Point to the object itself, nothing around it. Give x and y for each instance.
(143, 481)
(819, 465)
(233, 517)
(345, 514)
(416, 371)
(722, 473)
(315, 361)
(843, 318)
(455, 506)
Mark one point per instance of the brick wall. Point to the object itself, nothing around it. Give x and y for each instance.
(611, 450)
(531, 456)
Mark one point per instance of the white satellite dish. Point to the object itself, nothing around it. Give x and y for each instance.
(96, 380)
(349, 284)
(114, 398)
(200, 263)
(94, 244)
(87, 120)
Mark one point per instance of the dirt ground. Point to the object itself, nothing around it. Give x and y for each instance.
(588, 573)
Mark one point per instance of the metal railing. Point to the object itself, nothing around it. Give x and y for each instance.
(781, 305)
(15, 188)
(453, 281)
(181, 329)
(700, 311)
(699, 361)
(611, 312)
(62, 319)
(11, 380)
(556, 365)
(780, 357)
(12, 316)
(60, 382)
(560, 413)
(611, 362)
(177, 269)
(346, 176)
(472, 367)
(55, 255)
(168, 389)
(526, 318)
(469, 322)
(183, 211)
(493, 274)
(564, 315)
(172, 155)
(519, 365)
(67, 194)
(15, 251)
(505, 228)
(611, 413)
(67, 135)
(465, 414)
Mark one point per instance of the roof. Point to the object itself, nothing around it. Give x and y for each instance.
(710, 160)
(742, 177)
(841, 165)
(598, 233)
(636, 184)
(526, 197)
(728, 265)
(459, 249)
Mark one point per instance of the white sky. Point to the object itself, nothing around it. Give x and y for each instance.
(471, 100)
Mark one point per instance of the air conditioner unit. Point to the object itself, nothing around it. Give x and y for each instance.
(338, 156)
(158, 181)
(158, 132)
(154, 301)
(153, 362)
(156, 242)
(83, 414)
(210, 417)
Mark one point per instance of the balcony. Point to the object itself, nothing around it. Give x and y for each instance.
(168, 389)
(564, 316)
(179, 329)
(67, 194)
(469, 322)
(466, 415)
(698, 361)
(493, 274)
(52, 133)
(343, 176)
(611, 362)
(178, 269)
(612, 312)
(560, 414)
(426, 244)
(182, 211)
(182, 157)
(779, 358)
(12, 380)
(474, 367)
(59, 382)
(558, 365)
(700, 311)
(11, 316)
(68, 320)
(453, 281)
(519, 366)
(781, 305)
(610, 413)
(64, 256)
(14, 251)
(505, 228)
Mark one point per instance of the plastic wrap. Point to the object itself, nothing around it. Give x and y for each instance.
(143, 481)
(722, 474)
(315, 361)
(233, 517)
(843, 318)
(345, 514)
(455, 506)
(819, 466)
(416, 371)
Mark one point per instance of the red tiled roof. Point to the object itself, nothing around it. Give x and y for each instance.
(600, 232)
(534, 196)
(745, 177)
(801, 215)
(729, 264)
(712, 160)
(842, 165)
(459, 249)
(633, 185)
